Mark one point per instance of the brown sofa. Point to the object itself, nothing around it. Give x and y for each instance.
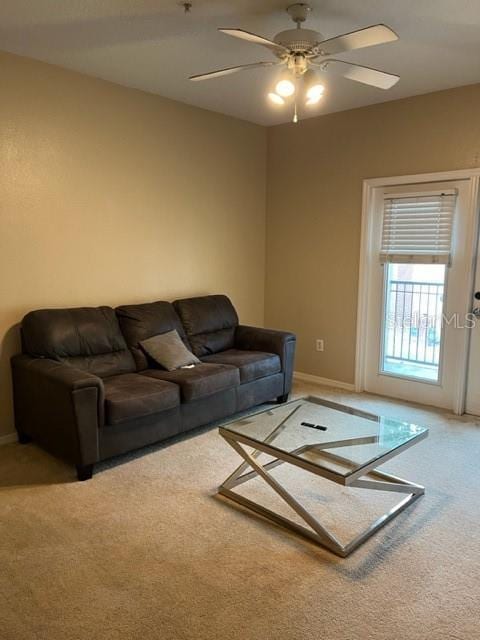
(86, 391)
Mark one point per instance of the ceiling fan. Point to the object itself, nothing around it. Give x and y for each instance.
(301, 51)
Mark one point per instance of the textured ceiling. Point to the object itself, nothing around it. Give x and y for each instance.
(152, 45)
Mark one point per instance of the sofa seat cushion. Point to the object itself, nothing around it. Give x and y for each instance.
(252, 364)
(132, 396)
(199, 381)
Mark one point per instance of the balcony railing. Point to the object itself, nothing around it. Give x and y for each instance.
(413, 327)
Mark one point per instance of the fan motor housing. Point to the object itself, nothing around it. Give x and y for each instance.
(299, 40)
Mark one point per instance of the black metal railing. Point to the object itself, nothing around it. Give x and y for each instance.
(414, 321)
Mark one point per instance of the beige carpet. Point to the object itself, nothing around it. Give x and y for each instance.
(145, 550)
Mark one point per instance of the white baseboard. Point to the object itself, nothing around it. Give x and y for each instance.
(327, 382)
(9, 438)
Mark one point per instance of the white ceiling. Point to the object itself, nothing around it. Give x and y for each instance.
(152, 45)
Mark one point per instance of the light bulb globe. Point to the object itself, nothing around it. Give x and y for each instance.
(275, 98)
(285, 88)
(315, 92)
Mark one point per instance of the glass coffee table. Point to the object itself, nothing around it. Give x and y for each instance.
(330, 440)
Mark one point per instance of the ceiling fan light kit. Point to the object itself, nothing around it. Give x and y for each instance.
(300, 51)
(288, 86)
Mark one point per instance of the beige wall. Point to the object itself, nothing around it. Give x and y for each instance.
(110, 195)
(315, 174)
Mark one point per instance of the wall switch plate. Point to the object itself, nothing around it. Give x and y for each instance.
(320, 345)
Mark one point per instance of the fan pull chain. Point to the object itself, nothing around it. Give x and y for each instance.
(295, 111)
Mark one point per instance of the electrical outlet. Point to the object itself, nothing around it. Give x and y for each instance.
(320, 345)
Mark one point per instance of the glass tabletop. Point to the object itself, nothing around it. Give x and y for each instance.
(332, 436)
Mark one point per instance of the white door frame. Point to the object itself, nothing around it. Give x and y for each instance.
(473, 176)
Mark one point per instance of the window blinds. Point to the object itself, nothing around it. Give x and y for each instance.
(418, 228)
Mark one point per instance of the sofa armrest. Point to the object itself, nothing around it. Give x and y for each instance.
(58, 406)
(282, 343)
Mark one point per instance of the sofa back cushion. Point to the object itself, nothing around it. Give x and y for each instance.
(86, 338)
(209, 322)
(139, 322)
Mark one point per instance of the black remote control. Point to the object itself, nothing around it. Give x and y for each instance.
(313, 426)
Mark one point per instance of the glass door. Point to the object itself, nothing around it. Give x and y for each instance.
(417, 273)
(413, 321)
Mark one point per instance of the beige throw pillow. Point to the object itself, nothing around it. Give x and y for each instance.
(169, 351)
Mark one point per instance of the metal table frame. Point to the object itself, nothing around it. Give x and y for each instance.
(365, 477)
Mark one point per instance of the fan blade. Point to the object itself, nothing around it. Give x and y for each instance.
(368, 37)
(359, 73)
(229, 70)
(252, 37)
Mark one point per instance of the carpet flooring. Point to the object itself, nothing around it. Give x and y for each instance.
(147, 550)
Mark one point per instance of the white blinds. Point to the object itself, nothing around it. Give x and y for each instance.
(418, 228)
